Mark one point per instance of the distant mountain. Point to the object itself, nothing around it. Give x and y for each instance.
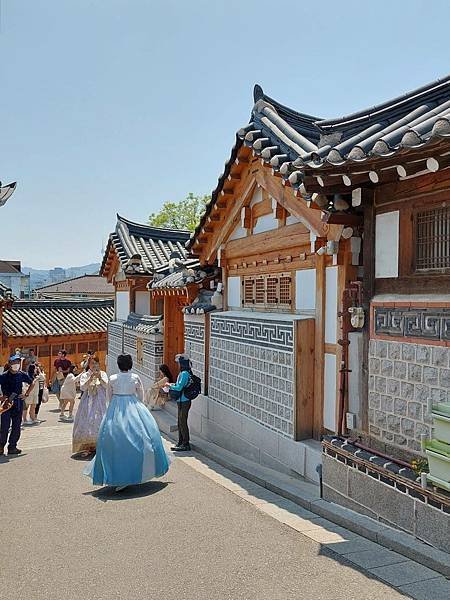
(41, 277)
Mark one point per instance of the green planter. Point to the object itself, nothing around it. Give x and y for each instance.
(438, 454)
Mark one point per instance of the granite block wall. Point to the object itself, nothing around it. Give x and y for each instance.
(251, 369)
(402, 378)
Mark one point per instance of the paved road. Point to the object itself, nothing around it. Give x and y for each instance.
(199, 533)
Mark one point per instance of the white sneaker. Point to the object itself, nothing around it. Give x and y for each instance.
(28, 422)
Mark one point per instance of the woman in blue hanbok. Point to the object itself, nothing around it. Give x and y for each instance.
(130, 450)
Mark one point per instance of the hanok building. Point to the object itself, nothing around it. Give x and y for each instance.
(47, 326)
(134, 253)
(382, 178)
(84, 286)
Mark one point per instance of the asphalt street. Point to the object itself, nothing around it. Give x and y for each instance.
(179, 538)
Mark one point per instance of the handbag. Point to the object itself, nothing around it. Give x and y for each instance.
(45, 395)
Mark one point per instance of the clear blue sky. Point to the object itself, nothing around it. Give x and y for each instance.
(119, 105)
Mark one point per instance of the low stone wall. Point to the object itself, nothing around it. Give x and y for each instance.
(251, 368)
(402, 378)
(388, 499)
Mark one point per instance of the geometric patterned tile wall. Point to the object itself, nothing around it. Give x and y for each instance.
(152, 351)
(194, 343)
(402, 378)
(251, 369)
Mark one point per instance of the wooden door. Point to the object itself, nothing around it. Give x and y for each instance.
(173, 330)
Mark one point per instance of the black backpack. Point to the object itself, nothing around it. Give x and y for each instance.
(193, 388)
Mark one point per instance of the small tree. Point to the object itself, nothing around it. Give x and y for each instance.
(185, 214)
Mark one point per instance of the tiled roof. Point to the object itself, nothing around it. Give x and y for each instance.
(190, 273)
(8, 266)
(152, 244)
(5, 293)
(56, 317)
(83, 285)
(299, 147)
(142, 323)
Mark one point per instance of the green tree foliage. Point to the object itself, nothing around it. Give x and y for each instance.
(185, 214)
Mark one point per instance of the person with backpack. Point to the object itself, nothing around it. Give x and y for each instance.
(186, 388)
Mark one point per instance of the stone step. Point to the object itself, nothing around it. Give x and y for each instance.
(166, 422)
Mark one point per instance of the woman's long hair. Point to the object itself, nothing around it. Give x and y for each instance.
(166, 372)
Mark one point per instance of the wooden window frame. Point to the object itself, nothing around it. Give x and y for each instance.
(267, 303)
(443, 206)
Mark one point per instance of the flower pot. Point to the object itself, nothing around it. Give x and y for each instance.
(441, 427)
(438, 455)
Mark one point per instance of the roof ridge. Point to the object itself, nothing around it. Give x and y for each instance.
(151, 227)
(69, 279)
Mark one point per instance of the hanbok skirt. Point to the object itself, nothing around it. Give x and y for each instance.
(130, 450)
(88, 418)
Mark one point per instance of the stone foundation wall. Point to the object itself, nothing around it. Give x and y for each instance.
(251, 368)
(402, 378)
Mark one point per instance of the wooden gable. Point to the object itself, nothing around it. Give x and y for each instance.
(252, 196)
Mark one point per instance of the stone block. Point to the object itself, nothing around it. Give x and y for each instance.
(430, 375)
(422, 393)
(414, 445)
(387, 436)
(423, 354)
(226, 418)
(399, 370)
(382, 349)
(380, 419)
(394, 350)
(374, 400)
(335, 475)
(444, 378)
(266, 460)
(260, 436)
(400, 406)
(409, 352)
(422, 429)
(331, 495)
(407, 427)
(393, 387)
(387, 403)
(393, 423)
(381, 499)
(400, 440)
(375, 431)
(407, 391)
(230, 441)
(313, 458)
(438, 395)
(372, 348)
(374, 366)
(415, 410)
(438, 587)
(380, 384)
(403, 573)
(371, 383)
(387, 367)
(440, 356)
(414, 372)
(292, 454)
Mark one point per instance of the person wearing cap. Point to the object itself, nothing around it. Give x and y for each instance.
(183, 403)
(11, 382)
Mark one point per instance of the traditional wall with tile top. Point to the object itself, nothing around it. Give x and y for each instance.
(195, 333)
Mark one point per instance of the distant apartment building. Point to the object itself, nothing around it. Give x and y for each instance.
(12, 277)
(57, 274)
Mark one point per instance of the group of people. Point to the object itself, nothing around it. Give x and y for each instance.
(113, 424)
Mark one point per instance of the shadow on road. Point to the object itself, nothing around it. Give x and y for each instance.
(132, 491)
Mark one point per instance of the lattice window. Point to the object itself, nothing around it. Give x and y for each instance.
(267, 291)
(249, 290)
(432, 243)
(260, 291)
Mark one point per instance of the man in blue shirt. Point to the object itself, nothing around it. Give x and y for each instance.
(184, 404)
(11, 382)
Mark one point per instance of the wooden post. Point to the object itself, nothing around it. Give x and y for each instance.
(304, 382)
(368, 198)
(319, 346)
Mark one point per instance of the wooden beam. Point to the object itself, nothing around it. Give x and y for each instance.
(342, 219)
(319, 347)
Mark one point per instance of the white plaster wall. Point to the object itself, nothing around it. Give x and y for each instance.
(355, 360)
(234, 292)
(142, 303)
(238, 233)
(386, 244)
(291, 220)
(265, 223)
(329, 400)
(257, 196)
(305, 289)
(122, 305)
(331, 283)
